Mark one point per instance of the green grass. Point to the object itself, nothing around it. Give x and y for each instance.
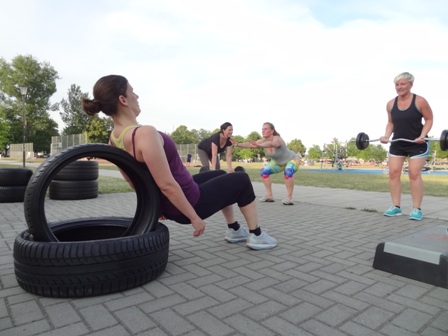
(110, 185)
(435, 185)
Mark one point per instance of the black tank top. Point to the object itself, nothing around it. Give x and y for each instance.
(407, 123)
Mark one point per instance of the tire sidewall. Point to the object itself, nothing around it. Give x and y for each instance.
(93, 267)
(147, 192)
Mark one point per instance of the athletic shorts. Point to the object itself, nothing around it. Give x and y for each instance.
(289, 169)
(409, 149)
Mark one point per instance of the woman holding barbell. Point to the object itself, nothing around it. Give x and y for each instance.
(405, 113)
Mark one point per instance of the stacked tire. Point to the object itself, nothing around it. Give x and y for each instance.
(13, 182)
(78, 180)
(90, 256)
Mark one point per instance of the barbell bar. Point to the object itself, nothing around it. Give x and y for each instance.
(363, 141)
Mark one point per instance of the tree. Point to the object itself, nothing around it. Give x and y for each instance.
(236, 151)
(256, 152)
(3, 135)
(315, 153)
(75, 119)
(376, 153)
(98, 130)
(335, 150)
(246, 153)
(203, 134)
(182, 135)
(352, 150)
(41, 134)
(297, 146)
(40, 80)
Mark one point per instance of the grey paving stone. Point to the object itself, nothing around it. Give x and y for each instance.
(284, 328)
(245, 326)
(26, 312)
(134, 320)
(320, 329)
(351, 328)
(62, 314)
(172, 322)
(412, 320)
(318, 281)
(210, 324)
(373, 317)
(116, 330)
(264, 310)
(29, 329)
(300, 313)
(98, 317)
(193, 306)
(230, 308)
(336, 315)
(162, 303)
(430, 331)
(77, 329)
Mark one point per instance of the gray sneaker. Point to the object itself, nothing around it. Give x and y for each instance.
(239, 235)
(261, 242)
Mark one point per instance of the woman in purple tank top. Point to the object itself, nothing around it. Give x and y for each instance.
(185, 199)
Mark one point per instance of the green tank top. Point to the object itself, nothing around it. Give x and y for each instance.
(118, 141)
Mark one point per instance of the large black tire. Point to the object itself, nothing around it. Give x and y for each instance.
(73, 190)
(12, 194)
(148, 194)
(15, 176)
(81, 170)
(84, 268)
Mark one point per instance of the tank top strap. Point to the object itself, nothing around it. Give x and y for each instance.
(133, 140)
(413, 100)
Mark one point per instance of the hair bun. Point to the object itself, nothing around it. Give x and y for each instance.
(91, 107)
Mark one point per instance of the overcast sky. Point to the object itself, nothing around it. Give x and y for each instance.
(316, 69)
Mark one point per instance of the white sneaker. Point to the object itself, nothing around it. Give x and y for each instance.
(239, 235)
(287, 201)
(261, 242)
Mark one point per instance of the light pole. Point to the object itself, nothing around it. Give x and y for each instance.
(23, 91)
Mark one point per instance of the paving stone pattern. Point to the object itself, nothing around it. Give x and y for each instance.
(318, 281)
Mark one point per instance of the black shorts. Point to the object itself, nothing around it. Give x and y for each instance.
(218, 190)
(409, 149)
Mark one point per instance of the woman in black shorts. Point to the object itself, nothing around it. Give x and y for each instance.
(405, 113)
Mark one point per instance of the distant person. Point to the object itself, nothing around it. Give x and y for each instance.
(404, 119)
(188, 159)
(185, 199)
(210, 148)
(282, 160)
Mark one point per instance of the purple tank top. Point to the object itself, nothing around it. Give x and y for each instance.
(181, 175)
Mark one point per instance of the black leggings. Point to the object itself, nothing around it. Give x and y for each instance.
(219, 190)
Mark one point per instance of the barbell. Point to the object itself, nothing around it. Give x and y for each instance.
(363, 141)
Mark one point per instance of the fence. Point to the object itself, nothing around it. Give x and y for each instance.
(192, 149)
(16, 151)
(58, 143)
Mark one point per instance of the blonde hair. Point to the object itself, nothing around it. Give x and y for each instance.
(404, 75)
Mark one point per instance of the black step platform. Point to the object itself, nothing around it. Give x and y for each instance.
(421, 256)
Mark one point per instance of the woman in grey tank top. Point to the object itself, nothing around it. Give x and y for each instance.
(282, 160)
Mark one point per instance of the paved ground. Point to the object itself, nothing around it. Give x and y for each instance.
(318, 281)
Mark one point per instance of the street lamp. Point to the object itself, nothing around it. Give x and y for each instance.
(23, 91)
